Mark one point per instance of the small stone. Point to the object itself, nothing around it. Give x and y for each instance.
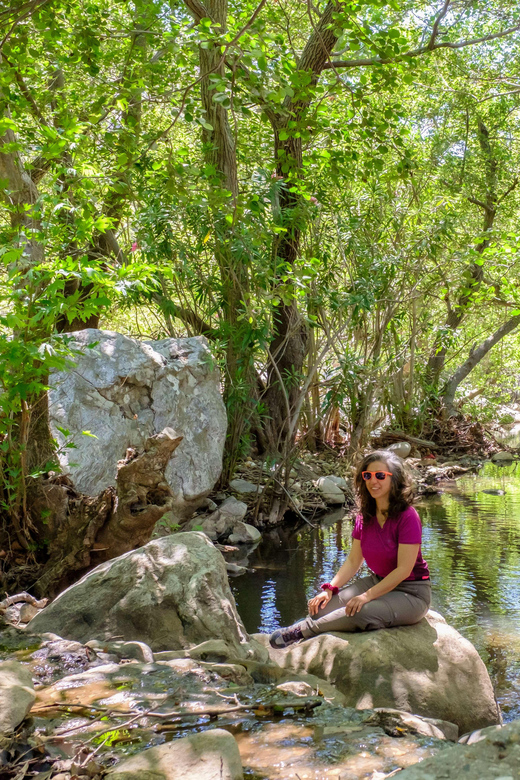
(502, 457)
(138, 651)
(234, 508)
(243, 533)
(330, 492)
(244, 487)
(339, 481)
(234, 569)
(400, 448)
(428, 727)
(296, 688)
(215, 650)
(27, 612)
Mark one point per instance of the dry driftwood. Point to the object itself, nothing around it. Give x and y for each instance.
(394, 436)
(88, 530)
(22, 597)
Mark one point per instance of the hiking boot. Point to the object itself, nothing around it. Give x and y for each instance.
(284, 637)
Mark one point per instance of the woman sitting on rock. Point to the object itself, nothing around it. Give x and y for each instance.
(387, 535)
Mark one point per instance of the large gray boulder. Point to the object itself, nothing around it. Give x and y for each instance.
(124, 391)
(210, 755)
(172, 593)
(428, 669)
(16, 695)
(497, 755)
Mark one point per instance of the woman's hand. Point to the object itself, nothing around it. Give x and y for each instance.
(319, 601)
(355, 604)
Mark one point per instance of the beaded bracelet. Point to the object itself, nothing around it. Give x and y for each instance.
(327, 586)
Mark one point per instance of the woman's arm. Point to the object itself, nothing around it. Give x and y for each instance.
(345, 573)
(406, 558)
(351, 565)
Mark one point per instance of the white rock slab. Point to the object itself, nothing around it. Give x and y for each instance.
(123, 391)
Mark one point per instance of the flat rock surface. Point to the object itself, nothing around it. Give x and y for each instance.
(210, 755)
(428, 669)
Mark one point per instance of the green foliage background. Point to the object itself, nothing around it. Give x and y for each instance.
(408, 134)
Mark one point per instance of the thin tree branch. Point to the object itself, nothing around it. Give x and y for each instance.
(508, 191)
(367, 62)
(24, 89)
(435, 31)
(32, 7)
(478, 202)
(187, 316)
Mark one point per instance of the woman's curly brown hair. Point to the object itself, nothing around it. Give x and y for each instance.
(401, 492)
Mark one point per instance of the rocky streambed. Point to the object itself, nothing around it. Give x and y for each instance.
(143, 669)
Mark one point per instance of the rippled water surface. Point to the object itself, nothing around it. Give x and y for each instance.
(471, 540)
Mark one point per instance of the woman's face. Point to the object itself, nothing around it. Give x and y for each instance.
(378, 489)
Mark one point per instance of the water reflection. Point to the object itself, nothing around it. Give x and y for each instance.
(471, 541)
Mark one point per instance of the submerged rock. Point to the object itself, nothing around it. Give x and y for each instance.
(123, 391)
(169, 594)
(428, 669)
(396, 720)
(136, 650)
(16, 695)
(210, 755)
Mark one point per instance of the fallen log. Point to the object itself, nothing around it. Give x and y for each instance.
(401, 436)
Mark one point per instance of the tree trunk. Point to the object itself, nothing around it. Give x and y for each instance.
(220, 155)
(473, 360)
(290, 337)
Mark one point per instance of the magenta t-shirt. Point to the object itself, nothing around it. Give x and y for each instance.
(379, 545)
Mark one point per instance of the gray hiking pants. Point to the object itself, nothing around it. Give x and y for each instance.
(404, 605)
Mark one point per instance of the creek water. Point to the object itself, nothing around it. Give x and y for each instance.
(471, 541)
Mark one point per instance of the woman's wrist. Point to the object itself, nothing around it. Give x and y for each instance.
(328, 586)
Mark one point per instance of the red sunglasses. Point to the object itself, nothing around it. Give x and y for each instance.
(380, 475)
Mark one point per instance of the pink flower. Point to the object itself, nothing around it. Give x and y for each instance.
(313, 200)
(134, 247)
(275, 175)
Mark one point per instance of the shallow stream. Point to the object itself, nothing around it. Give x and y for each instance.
(471, 540)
